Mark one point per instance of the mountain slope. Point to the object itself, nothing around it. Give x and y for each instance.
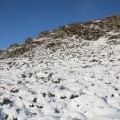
(70, 73)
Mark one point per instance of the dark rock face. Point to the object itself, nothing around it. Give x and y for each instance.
(111, 23)
(79, 30)
(91, 30)
(17, 51)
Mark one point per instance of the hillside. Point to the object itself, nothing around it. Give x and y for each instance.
(70, 73)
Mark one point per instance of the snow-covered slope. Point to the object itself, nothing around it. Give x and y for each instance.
(67, 78)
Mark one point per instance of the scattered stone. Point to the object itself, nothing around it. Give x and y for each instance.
(14, 90)
(31, 105)
(39, 106)
(42, 78)
(56, 110)
(62, 87)
(23, 75)
(117, 77)
(116, 89)
(94, 60)
(78, 105)
(19, 82)
(6, 101)
(30, 75)
(14, 118)
(73, 96)
(50, 76)
(92, 84)
(35, 100)
(44, 94)
(51, 94)
(5, 117)
(112, 95)
(34, 113)
(18, 110)
(56, 81)
(63, 97)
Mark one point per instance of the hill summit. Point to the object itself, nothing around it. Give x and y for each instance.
(91, 30)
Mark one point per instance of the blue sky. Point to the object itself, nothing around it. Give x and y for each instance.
(20, 19)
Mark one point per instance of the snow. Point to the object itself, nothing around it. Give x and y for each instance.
(76, 80)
